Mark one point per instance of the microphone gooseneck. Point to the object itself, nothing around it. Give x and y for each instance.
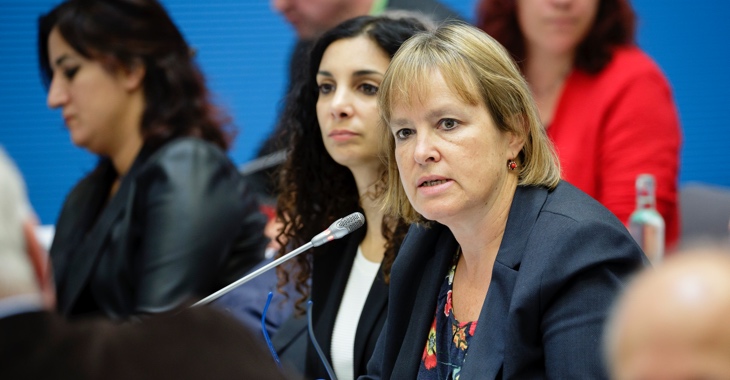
(338, 229)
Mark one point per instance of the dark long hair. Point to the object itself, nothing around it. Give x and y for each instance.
(314, 189)
(124, 33)
(613, 26)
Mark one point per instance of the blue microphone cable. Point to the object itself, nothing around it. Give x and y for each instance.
(266, 333)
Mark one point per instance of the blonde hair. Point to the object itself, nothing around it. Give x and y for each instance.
(480, 71)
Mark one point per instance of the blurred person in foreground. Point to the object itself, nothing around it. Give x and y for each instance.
(165, 216)
(672, 321)
(334, 169)
(606, 105)
(508, 271)
(36, 343)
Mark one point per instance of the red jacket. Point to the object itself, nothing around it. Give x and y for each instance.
(610, 127)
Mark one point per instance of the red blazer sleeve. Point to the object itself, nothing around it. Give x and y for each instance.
(612, 126)
(642, 135)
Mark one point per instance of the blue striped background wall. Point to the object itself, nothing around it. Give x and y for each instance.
(243, 48)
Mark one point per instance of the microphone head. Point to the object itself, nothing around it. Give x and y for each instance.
(351, 222)
(339, 228)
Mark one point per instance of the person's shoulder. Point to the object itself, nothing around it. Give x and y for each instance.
(184, 155)
(187, 148)
(575, 231)
(631, 56)
(629, 63)
(570, 203)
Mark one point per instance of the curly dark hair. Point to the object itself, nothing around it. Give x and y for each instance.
(123, 33)
(614, 26)
(314, 189)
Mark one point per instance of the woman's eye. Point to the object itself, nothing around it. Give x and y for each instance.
(326, 88)
(369, 89)
(449, 124)
(71, 72)
(403, 134)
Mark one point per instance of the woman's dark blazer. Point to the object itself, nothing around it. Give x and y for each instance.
(180, 226)
(331, 270)
(562, 261)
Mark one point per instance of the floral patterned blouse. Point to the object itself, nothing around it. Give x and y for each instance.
(448, 339)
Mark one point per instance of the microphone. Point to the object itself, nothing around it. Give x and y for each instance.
(336, 230)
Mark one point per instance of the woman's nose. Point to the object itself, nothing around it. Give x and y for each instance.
(342, 104)
(426, 149)
(57, 94)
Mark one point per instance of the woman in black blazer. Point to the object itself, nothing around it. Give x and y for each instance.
(509, 272)
(164, 216)
(333, 169)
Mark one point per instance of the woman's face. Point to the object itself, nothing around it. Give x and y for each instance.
(95, 102)
(451, 157)
(556, 26)
(349, 76)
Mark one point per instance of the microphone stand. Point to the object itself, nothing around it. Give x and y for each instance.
(336, 230)
(253, 275)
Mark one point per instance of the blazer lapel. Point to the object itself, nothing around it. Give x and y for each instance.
(331, 270)
(80, 211)
(82, 259)
(488, 343)
(432, 254)
(373, 309)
